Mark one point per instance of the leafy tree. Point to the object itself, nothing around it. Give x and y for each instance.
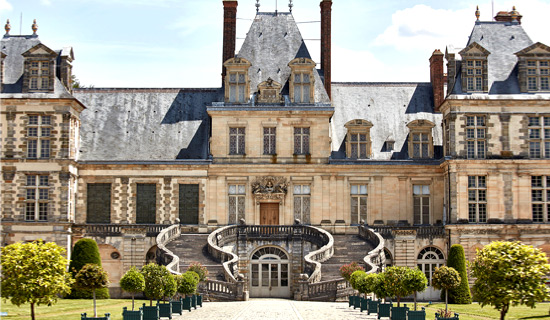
(395, 282)
(201, 270)
(445, 278)
(415, 281)
(348, 269)
(85, 251)
(156, 278)
(34, 273)
(456, 260)
(187, 283)
(133, 282)
(354, 277)
(510, 273)
(92, 277)
(366, 282)
(171, 286)
(380, 286)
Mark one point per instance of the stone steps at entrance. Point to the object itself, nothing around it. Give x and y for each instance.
(347, 248)
(194, 248)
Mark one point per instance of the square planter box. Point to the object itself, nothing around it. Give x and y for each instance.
(417, 315)
(373, 306)
(384, 310)
(199, 300)
(84, 317)
(132, 315)
(351, 301)
(399, 313)
(165, 310)
(438, 317)
(177, 306)
(194, 301)
(187, 303)
(364, 304)
(150, 313)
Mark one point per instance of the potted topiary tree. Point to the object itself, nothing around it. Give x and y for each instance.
(194, 296)
(445, 278)
(155, 277)
(354, 300)
(380, 291)
(187, 286)
(202, 271)
(170, 286)
(92, 277)
(346, 271)
(365, 285)
(132, 282)
(85, 251)
(416, 281)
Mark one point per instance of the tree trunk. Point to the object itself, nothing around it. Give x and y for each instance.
(95, 310)
(132, 302)
(415, 301)
(398, 300)
(32, 310)
(504, 311)
(446, 299)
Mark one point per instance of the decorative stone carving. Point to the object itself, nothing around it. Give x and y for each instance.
(270, 185)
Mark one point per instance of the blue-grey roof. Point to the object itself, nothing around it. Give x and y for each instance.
(145, 124)
(271, 43)
(389, 107)
(502, 40)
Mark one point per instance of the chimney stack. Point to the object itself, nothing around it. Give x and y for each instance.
(437, 78)
(229, 31)
(326, 23)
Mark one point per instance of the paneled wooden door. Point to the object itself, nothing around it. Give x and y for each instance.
(269, 214)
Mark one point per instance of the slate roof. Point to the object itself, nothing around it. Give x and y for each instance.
(390, 107)
(271, 43)
(145, 124)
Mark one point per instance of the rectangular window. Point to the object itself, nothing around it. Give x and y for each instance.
(421, 145)
(237, 83)
(477, 199)
(539, 137)
(301, 140)
(302, 194)
(39, 75)
(358, 194)
(474, 75)
(146, 203)
(37, 198)
(98, 205)
(540, 198)
(236, 140)
(39, 132)
(237, 194)
(476, 137)
(302, 86)
(359, 145)
(421, 204)
(189, 203)
(270, 138)
(538, 75)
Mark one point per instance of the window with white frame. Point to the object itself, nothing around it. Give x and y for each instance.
(301, 140)
(237, 194)
(421, 204)
(477, 199)
(474, 75)
(37, 197)
(39, 131)
(358, 194)
(302, 82)
(237, 87)
(237, 140)
(302, 194)
(476, 138)
(302, 86)
(39, 75)
(540, 198)
(270, 140)
(539, 137)
(428, 259)
(538, 75)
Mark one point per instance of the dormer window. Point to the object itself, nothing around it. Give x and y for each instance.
(39, 69)
(534, 68)
(302, 81)
(269, 92)
(474, 68)
(474, 75)
(421, 139)
(358, 141)
(538, 74)
(237, 83)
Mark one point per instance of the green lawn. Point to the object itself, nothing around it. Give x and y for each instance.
(475, 312)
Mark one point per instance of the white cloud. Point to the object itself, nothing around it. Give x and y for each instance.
(46, 2)
(5, 6)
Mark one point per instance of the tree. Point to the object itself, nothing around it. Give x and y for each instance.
(187, 283)
(133, 282)
(456, 260)
(156, 278)
(445, 278)
(510, 273)
(366, 282)
(380, 286)
(85, 251)
(171, 286)
(395, 282)
(201, 270)
(92, 277)
(34, 273)
(348, 269)
(354, 277)
(415, 281)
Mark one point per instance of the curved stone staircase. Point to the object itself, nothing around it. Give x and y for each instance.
(347, 248)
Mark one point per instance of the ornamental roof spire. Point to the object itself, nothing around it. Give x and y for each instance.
(7, 27)
(477, 13)
(34, 27)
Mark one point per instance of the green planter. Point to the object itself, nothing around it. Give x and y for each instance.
(165, 310)
(437, 317)
(384, 310)
(357, 302)
(417, 315)
(399, 313)
(84, 317)
(373, 306)
(199, 300)
(150, 313)
(364, 304)
(177, 306)
(194, 301)
(132, 315)
(187, 304)
(351, 301)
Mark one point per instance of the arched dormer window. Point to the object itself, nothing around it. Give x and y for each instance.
(302, 82)
(358, 141)
(421, 139)
(237, 83)
(269, 92)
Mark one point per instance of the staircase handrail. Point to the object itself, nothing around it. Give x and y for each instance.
(163, 238)
(313, 259)
(376, 258)
(229, 260)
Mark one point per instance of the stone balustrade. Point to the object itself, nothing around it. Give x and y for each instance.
(163, 238)
(376, 258)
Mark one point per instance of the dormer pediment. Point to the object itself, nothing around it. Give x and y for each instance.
(269, 91)
(536, 49)
(237, 62)
(421, 123)
(40, 50)
(474, 49)
(301, 63)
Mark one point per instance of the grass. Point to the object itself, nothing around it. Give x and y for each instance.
(475, 312)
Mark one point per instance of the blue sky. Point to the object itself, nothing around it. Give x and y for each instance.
(177, 43)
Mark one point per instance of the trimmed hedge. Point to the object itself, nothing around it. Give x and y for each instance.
(85, 251)
(460, 294)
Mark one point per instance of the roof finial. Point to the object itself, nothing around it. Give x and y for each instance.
(477, 13)
(290, 5)
(7, 27)
(257, 6)
(514, 14)
(34, 26)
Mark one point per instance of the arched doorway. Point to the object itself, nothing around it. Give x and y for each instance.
(269, 273)
(428, 259)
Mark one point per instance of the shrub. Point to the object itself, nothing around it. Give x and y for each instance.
(156, 281)
(415, 281)
(187, 283)
(354, 277)
(133, 282)
(199, 269)
(348, 269)
(395, 282)
(85, 251)
(365, 283)
(456, 260)
(380, 288)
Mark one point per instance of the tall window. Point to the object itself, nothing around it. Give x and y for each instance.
(301, 82)
(359, 145)
(430, 258)
(477, 199)
(476, 137)
(358, 203)
(474, 75)
(540, 198)
(538, 75)
(146, 203)
(237, 86)
(421, 145)
(301, 140)
(302, 193)
(39, 75)
(270, 139)
(39, 131)
(98, 203)
(421, 204)
(237, 193)
(189, 203)
(302, 85)
(37, 198)
(236, 140)
(539, 137)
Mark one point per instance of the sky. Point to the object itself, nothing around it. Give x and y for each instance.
(178, 43)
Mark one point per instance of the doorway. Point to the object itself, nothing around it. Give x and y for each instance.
(269, 276)
(269, 214)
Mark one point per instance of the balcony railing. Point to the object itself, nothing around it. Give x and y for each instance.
(422, 232)
(113, 230)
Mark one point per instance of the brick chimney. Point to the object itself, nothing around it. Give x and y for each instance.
(326, 56)
(512, 16)
(229, 31)
(437, 78)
